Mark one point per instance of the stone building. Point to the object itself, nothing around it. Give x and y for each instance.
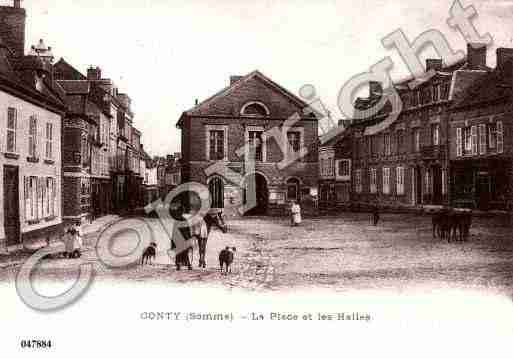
(30, 143)
(400, 159)
(101, 148)
(252, 110)
(481, 150)
(335, 167)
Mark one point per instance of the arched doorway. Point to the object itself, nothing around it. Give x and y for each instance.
(261, 194)
(216, 189)
(293, 190)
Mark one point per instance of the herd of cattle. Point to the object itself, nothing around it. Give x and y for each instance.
(452, 224)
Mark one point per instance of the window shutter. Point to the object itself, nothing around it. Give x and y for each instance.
(459, 143)
(500, 137)
(482, 139)
(474, 139)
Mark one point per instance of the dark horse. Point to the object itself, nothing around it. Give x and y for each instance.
(183, 258)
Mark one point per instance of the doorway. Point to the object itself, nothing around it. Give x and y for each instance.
(11, 205)
(261, 194)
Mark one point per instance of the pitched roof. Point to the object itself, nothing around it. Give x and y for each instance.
(75, 86)
(237, 84)
(489, 88)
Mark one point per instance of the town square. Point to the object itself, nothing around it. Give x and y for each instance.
(262, 187)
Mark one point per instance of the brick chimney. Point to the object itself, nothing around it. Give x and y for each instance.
(375, 89)
(94, 73)
(505, 62)
(12, 28)
(476, 55)
(234, 79)
(433, 64)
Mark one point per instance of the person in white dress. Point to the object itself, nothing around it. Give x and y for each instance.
(74, 244)
(295, 211)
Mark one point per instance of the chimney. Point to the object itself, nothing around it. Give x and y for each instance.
(375, 89)
(12, 28)
(476, 55)
(234, 79)
(433, 64)
(94, 73)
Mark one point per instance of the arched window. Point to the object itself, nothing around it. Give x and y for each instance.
(216, 188)
(254, 109)
(293, 189)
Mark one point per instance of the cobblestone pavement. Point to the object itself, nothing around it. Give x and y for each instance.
(340, 253)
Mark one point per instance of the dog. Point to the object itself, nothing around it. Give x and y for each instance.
(149, 254)
(226, 258)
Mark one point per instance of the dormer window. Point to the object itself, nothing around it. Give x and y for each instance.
(255, 109)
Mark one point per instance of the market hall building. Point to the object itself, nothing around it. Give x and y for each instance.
(246, 112)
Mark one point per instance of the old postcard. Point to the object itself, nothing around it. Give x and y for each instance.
(256, 178)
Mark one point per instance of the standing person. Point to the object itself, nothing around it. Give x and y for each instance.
(74, 244)
(295, 210)
(375, 215)
(200, 231)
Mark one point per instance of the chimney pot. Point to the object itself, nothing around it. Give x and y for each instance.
(375, 89)
(17, 4)
(433, 64)
(476, 55)
(234, 79)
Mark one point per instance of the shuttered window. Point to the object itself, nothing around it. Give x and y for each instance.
(459, 143)
(482, 139)
(474, 140)
(500, 137)
(400, 180)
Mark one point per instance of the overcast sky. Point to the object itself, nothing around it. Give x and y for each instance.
(165, 54)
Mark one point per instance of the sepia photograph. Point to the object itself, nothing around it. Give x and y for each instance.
(256, 178)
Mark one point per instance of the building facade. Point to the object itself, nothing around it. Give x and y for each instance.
(401, 159)
(30, 143)
(252, 111)
(481, 152)
(102, 148)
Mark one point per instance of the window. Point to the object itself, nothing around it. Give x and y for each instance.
(33, 137)
(256, 144)
(31, 192)
(445, 88)
(254, 109)
(444, 182)
(49, 141)
(216, 145)
(400, 180)
(473, 131)
(435, 134)
(500, 137)
(492, 136)
(373, 180)
(415, 98)
(436, 93)
(400, 141)
(427, 182)
(482, 139)
(416, 140)
(344, 168)
(294, 139)
(11, 129)
(467, 140)
(387, 144)
(358, 181)
(386, 180)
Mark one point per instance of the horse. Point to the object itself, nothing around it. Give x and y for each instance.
(211, 220)
(183, 258)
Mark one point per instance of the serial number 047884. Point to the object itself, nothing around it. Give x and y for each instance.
(36, 344)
